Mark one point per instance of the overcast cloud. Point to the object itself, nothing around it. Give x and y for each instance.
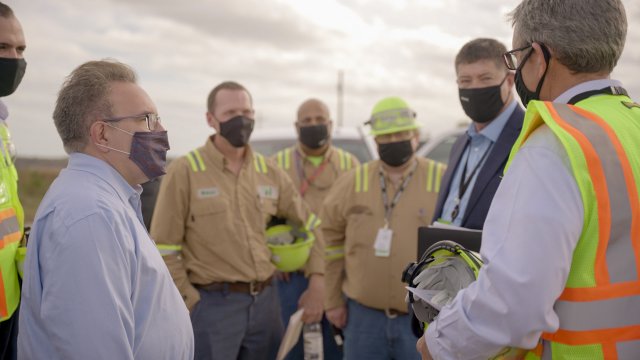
(284, 51)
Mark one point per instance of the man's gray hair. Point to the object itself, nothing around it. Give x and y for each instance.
(586, 36)
(84, 98)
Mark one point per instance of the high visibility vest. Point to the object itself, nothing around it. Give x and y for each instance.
(599, 309)
(11, 225)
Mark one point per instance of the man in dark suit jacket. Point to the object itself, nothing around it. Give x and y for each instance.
(478, 157)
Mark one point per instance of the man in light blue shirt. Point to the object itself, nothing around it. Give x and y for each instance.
(478, 157)
(95, 286)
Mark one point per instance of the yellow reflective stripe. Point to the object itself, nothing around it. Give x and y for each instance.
(287, 158)
(199, 160)
(260, 164)
(166, 250)
(280, 157)
(334, 252)
(439, 172)
(192, 162)
(430, 176)
(341, 157)
(312, 222)
(365, 178)
(358, 180)
(349, 162)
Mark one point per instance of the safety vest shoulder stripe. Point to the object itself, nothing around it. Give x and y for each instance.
(439, 172)
(312, 222)
(195, 160)
(199, 160)
(341, 156)
(613, 202)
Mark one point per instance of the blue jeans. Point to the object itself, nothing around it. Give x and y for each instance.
(231, 325)
(371, 335)
(290, 292)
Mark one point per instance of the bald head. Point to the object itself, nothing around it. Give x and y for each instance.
(313, 112)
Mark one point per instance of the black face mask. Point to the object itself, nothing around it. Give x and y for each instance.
(314, 136)
(395, 153)
(11, 73)
(237, 130)
(525, 94)
(482, 104)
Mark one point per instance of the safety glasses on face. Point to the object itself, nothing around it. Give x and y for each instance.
(392, 119)
(511, 59)
(153, 120)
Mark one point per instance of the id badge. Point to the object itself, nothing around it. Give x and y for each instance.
(382, 246)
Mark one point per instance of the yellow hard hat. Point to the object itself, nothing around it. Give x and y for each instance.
(289, 248)
(391, 115)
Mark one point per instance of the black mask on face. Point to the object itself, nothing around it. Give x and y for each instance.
(525, 94)
(396, 153)
(482, 104)
(237, 130)
(11, 73)
(314, 136)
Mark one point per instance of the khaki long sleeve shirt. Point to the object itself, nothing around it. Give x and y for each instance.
(216, 220)
(352, 215)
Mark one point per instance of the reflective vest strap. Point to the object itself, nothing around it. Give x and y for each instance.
(334, 252)
(362, 178)
(280, 159)
(341, 156)
(579, 338)
(9, 228)
(312, 222)
(166, 250)
(610, 174)
(585, 316)
(260, 164)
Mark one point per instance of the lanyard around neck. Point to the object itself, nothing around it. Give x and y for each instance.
(305, 181)
(465, 180)
(385, 198)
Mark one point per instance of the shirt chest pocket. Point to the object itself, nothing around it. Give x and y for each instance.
(203, 210)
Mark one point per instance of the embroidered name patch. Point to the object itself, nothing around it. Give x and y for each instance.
(208, 192)
(268, 192)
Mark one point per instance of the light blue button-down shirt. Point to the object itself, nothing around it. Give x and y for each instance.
(95, 286)
(480, 142)
(530, 234)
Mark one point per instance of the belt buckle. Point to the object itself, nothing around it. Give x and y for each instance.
(253, 288)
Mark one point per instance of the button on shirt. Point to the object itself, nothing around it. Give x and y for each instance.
(526, 265)
(95, 286)
(478, 144)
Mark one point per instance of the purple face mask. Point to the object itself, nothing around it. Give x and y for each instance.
(148, 151)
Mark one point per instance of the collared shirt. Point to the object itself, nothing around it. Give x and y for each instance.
(532, 229)
(219, 219)
(479, 144)
(352, 215)
(95, 286)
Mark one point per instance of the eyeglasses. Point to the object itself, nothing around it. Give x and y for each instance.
(511, 60)
(153, 120)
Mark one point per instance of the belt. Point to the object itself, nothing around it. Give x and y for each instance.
(251, 288)
(393, 313)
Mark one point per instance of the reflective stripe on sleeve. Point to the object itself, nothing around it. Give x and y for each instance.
(166, 250)
(334, 252)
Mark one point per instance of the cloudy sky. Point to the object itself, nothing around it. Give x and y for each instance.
(284, 51)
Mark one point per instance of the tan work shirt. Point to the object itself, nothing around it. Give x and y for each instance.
(352, 215)
(320, 178)
(217, 220)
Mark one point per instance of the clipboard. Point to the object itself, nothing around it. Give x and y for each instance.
(429, 235)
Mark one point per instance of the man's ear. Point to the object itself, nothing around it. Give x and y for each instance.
(98, 135)
(538, 59)
(212, 122)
